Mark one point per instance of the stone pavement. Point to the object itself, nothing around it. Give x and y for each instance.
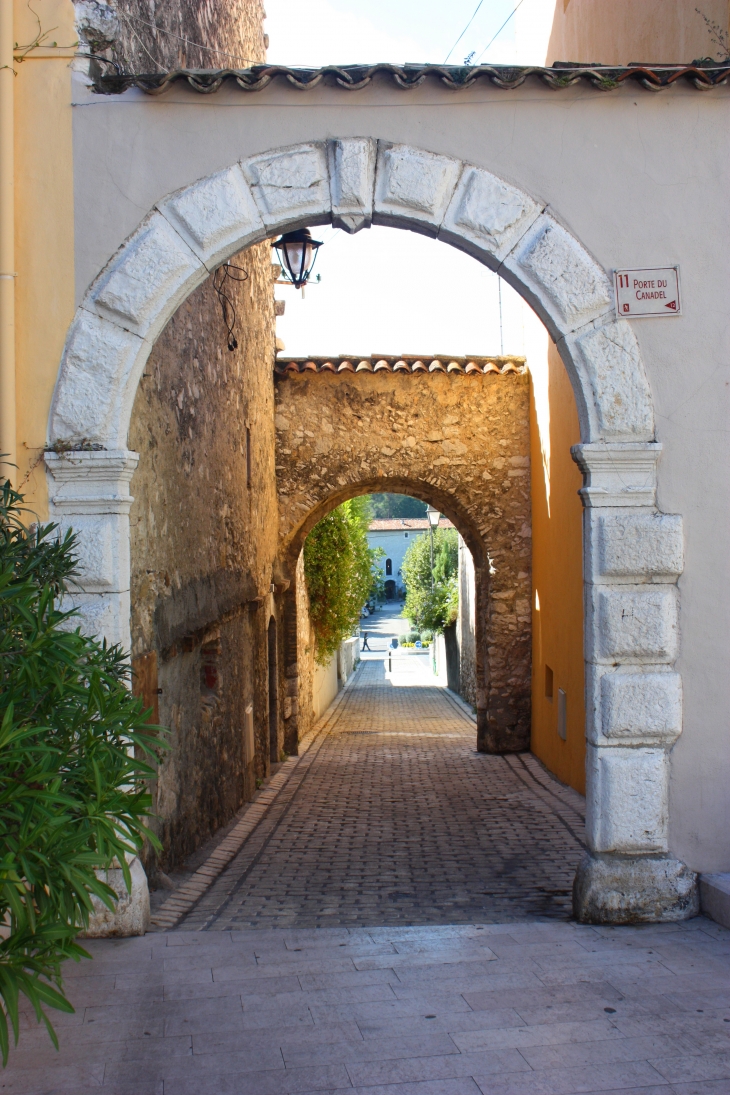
(519, 1009)
(409, 847)
(392, 817)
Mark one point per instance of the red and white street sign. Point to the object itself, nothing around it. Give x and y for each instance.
(647, 292)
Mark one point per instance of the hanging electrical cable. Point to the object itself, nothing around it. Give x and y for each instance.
(464, 31)
(494, 38)
(228, 308)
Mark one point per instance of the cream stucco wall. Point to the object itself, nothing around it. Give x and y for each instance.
(637, 177)
(619, 32)
(44, 224)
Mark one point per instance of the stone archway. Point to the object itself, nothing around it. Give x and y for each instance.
(459, 441)
(633, 553)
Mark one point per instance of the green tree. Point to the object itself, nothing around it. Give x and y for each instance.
(73, 795)
(396, 505)
(338, 566)
(428, 607)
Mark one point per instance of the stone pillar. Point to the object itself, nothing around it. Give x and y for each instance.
(89, 492)
(633, 556)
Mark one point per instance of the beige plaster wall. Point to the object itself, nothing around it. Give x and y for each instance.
(636, 176)
(619, 32)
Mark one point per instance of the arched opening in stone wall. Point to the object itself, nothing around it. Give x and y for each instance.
(189, 234)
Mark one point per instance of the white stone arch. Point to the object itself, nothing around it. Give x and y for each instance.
(633, 555)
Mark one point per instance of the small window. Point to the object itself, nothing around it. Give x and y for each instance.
(406, 535)
(548, 683)
(388, 566)
(562, 715)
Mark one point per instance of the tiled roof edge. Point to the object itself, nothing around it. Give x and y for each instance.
(702, 76)
(405, 363)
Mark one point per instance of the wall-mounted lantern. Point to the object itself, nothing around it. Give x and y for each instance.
(297, 252)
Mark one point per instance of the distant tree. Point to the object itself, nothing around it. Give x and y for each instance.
(387, 506)
(428, 608)
(338, 566)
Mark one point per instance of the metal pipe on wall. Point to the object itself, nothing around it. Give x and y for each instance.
(8, 441)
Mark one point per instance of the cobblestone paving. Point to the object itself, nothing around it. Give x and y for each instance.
(392, 817)
(541, 1007)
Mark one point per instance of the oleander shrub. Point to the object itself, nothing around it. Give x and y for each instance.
(75, 753)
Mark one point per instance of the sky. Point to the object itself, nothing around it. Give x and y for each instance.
(385, 290)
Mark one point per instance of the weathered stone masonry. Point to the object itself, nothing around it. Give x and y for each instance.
(203, 523)
(203, 541)
(457, 440)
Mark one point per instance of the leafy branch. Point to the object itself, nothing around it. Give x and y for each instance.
(75, 754)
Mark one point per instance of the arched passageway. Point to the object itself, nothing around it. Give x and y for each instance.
(456, 440)
(633, 553)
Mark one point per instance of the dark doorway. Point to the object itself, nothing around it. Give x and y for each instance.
(390, 590)
(273, 694)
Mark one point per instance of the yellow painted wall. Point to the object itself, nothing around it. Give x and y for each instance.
(557, 570)
(617, 32)
(44, 243)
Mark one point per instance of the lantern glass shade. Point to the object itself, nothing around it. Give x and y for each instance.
(433, 517)
(297, 252)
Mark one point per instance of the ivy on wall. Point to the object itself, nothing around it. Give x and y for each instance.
(432, 608)
(338, 566)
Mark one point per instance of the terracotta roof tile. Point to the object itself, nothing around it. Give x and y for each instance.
(455, 77)
(401, 363)
(405, 524)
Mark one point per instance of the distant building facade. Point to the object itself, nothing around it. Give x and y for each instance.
(395, 535)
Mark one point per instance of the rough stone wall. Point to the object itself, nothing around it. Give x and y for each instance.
(459, 442)
(203, 544)
(203, 523)
(299, 721)
(160, 35)
(466, 625)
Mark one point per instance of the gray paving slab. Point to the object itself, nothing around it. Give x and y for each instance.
(379, 983)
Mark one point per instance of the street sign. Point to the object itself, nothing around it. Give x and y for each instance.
(653, 292)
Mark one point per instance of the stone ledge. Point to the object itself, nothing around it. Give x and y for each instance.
(715, 897)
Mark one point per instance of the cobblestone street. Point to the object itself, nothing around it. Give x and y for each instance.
(392, 817)
(420, 857)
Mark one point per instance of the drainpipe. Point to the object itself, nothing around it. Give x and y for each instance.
(8, 443)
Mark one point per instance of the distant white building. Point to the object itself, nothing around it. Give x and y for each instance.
(395, 535)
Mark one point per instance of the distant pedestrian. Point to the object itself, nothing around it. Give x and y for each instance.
(365, 642)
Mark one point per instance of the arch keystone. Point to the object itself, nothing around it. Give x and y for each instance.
(413, 188)
(216, 217)
(352, 178)
(290, 186)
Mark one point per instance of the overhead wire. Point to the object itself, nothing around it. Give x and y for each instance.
(489, 43)
(476, 11)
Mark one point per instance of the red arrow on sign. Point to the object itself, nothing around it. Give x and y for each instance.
(672, 304)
